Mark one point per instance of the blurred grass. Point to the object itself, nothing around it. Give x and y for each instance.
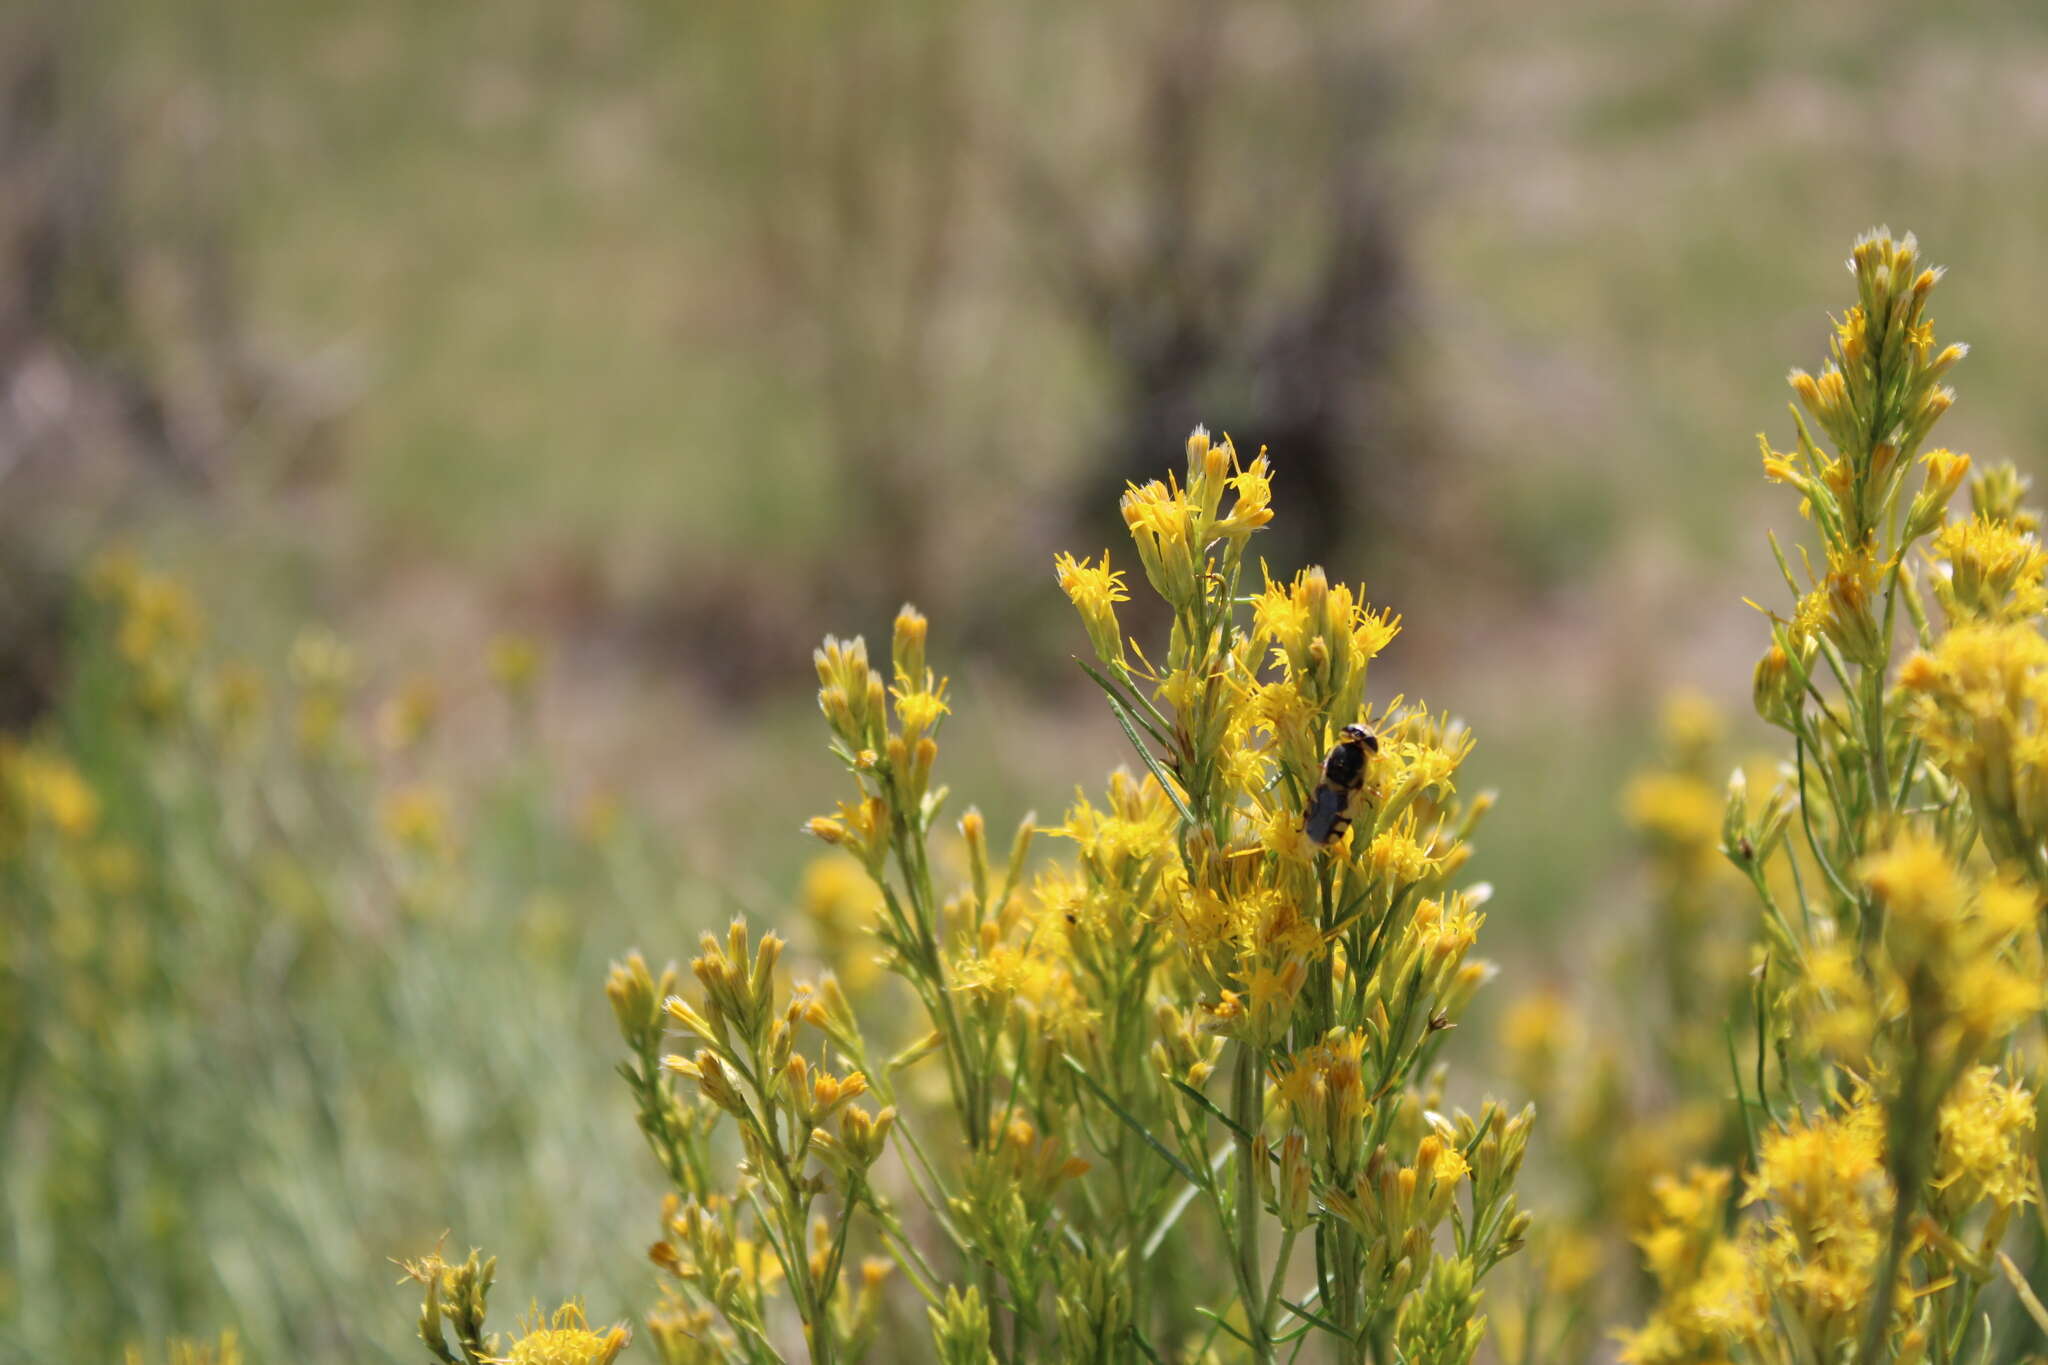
(263, 1035)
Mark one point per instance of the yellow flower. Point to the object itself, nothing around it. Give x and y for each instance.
(1995, 571)
(842, 901)
(51, 788)
(1985, 1144)
(415, 817)
(1396, 856)
(1095, 590)
(1162, 523)
(1977, 703)
(160, 623)
(1947, 937)
(567, 1340)
(1678, 810)
(1828, 1200)
(1537, 1032)
(515, 662)
(1321, 636)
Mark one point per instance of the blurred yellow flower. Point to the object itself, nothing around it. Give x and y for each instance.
(55, 791)
(415, 817)
(1985, 1145)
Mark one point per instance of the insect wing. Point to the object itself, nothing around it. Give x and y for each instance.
(1325, 810)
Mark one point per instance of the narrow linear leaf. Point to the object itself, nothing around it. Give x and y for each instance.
(1217, 1318)
(1125, 718)
(1143, 1345)
(1180, 1167)
(1199, 1098)
(2025, 1291)
(1116, 694)
(1307, 1316)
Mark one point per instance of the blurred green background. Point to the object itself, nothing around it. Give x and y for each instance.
(676, 336)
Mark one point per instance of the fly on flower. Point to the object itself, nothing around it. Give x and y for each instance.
(1344, 767)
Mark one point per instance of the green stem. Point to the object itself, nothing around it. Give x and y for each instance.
(1248, 1111)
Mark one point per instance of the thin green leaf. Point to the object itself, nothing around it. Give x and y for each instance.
(1116, 694)
(1125, 717)
(1217, 1318)
(1306, 1316)
(1180, 1167)
(1199, 1098)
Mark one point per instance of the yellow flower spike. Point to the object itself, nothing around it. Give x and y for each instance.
(761, 982)
(1997, 493)
(850, 693)
(1713, 1304)
(1948, 938)
(1779, 686)
(1828, 1199)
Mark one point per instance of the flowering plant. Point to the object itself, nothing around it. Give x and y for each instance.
(1209, 1032)
(1898, 873)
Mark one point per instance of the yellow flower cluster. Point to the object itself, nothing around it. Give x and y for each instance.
(1712, 1303)
(566, 1339)
(1976, 702)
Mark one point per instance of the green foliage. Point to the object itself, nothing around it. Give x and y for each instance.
(279, 1001)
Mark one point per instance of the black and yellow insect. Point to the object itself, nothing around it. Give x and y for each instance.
(1344, 767)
